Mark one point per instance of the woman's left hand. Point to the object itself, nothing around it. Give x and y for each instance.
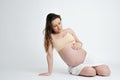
(76, 46)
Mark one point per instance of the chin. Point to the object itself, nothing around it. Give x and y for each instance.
(58, 31)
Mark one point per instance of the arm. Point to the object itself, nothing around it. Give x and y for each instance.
(78, 43)
(49, 58)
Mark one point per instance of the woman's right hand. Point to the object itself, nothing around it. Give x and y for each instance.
(44, 74)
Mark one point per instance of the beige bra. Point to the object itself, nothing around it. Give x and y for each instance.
(60, 43)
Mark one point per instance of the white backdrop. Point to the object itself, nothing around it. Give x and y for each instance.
(95, 22)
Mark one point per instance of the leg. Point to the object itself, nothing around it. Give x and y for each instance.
(102, 70)
(88, 71)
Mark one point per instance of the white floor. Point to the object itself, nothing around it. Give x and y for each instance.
(59, 73)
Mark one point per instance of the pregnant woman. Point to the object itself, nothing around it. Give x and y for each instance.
(70, 50)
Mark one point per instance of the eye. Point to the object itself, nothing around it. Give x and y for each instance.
(59, 23)
(55, 26)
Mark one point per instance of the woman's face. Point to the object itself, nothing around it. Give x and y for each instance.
(57, 25)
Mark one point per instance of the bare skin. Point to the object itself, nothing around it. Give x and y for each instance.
(73, 54)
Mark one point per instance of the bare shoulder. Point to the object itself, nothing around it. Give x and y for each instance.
(69, 30)
(52, 36)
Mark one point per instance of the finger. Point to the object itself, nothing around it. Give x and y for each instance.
(76, 47)
(41, 74)
(73, 46)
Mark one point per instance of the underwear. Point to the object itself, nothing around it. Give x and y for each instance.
(88, 62)
(60, 43)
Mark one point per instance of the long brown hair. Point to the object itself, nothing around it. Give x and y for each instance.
(48, 29)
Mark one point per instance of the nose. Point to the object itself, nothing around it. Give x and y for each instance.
(59, 27)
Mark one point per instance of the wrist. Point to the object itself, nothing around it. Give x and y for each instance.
(50, 73)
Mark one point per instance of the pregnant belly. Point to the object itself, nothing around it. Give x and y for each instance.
(71, 56)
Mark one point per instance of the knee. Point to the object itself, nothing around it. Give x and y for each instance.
(89, 71)
(103, 70)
